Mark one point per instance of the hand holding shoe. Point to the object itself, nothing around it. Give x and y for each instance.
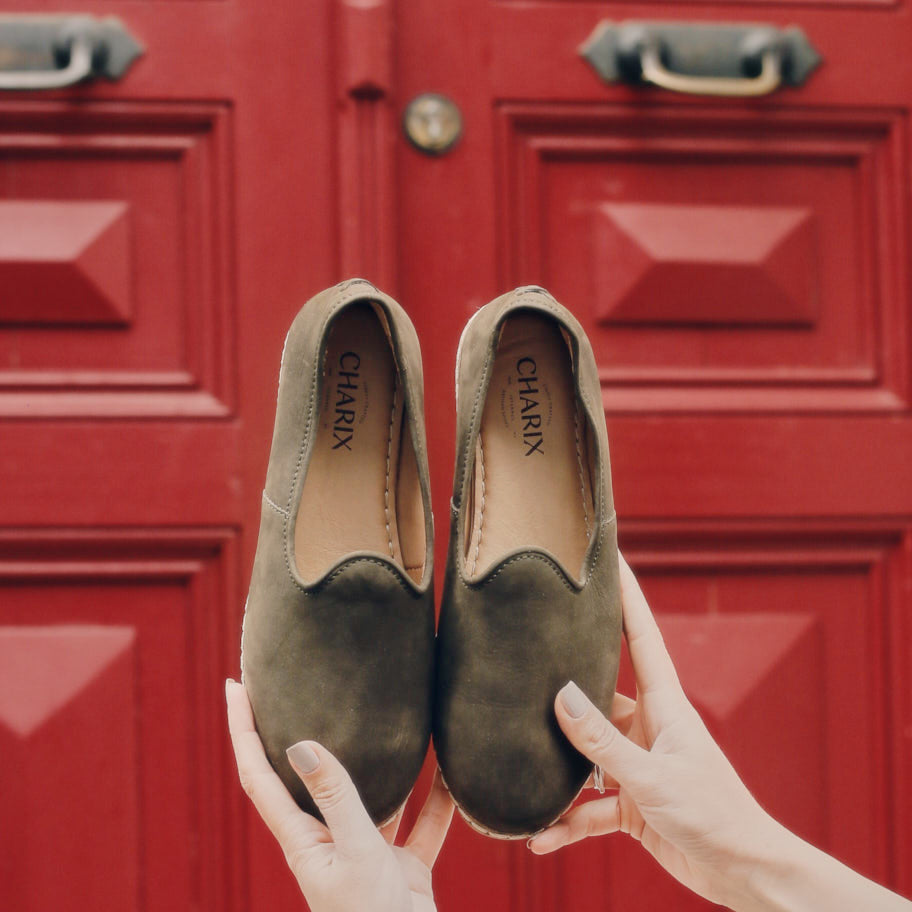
(339, 639)
(680, 797)
(348, 864)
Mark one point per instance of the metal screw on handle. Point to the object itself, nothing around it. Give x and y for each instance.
(77, 69)
(655, 72)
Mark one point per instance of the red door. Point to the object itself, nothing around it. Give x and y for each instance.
(740, 266)
(157, 233)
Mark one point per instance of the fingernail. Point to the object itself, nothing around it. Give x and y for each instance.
(574, 701)
(302, 757)
(529, 842)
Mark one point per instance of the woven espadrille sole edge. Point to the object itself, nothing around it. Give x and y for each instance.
(494, 834)
(392, 817)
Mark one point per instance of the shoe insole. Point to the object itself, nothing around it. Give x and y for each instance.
(348, 501)
(532, 479)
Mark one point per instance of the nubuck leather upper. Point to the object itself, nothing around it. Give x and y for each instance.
(338, 639)
(531, 597)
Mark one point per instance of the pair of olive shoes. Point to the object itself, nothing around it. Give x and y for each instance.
(338, 643)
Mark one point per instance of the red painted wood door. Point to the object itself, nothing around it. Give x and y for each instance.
(157, 234)
(740, 266)
(760, 433)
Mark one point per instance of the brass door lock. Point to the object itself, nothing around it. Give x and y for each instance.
(432, 123)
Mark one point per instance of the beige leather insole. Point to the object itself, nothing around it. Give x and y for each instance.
(348, 501)
(532, 478)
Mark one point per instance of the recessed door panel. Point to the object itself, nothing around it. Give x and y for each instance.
(113, 249)
(714, 254)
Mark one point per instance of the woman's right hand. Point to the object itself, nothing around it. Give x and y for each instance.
(680, 797)
(678, 794)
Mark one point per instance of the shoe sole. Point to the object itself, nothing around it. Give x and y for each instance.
(494, 834)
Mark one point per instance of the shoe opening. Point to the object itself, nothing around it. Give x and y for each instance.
(532, 479)
(361, 491)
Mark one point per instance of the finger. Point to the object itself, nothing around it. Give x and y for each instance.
(426, 838)
(595, 737)
(390, 829)
(622, 705)
(637, 732)
(622, 710)
(335, 795)
(278, 809)
(652, 665)
(592, 819)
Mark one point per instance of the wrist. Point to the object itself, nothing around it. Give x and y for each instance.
(767, 855)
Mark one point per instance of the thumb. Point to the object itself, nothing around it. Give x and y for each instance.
(335, 795)
(595, 737)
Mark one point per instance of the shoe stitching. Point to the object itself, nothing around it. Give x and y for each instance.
(393, 572)
(340, 303)
(603, 524)
(343, 300)
(520, 557)
(409, 398)
(274, 505)
(243, 626)
(579, 462)
(389, 455)
(547, 302)
(414, 392)
(481, 517)
(481, 385)
(282, 365)
(347, 283)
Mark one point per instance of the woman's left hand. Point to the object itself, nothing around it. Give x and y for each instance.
(348, 865)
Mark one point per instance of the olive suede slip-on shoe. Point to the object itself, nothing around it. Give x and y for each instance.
(338, 638)
(532, 596)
